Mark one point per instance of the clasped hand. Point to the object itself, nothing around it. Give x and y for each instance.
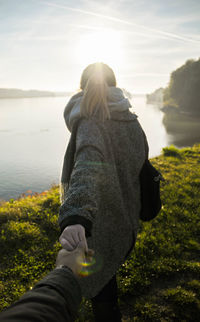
(72, 237)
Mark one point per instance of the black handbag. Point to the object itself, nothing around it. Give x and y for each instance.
(150, 191)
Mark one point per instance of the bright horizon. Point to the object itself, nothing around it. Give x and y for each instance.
(45, 45)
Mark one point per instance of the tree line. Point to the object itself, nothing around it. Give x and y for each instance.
(183, 90)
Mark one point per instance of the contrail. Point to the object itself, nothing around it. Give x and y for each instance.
(119, 30)
(105, 29)
(14, 36)
(163, 33)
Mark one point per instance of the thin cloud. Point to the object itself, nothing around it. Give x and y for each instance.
(160, 32)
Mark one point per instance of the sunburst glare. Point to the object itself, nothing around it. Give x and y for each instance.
(104, 45)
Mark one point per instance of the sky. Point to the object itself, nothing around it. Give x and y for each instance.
(46, 45)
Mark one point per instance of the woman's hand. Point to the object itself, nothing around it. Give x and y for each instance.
(72, 237)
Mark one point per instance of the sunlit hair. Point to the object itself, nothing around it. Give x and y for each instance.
(95, 80)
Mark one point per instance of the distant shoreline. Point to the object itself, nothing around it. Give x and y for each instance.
(7, 93)
(23, 97)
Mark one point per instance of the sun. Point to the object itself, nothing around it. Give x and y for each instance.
(100, 46)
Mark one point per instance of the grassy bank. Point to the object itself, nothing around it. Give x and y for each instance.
(159, 282)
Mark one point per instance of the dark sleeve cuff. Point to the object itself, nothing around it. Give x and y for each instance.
(65, 282)
(76, 219)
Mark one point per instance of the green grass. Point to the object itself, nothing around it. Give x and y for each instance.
(160, 280)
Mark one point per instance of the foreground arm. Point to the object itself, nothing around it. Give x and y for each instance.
(55, 298)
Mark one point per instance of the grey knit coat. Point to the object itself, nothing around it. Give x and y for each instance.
(104, 192)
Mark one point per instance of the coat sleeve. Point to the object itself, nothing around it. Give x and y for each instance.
(55, 298)
(146, 146)
(83, 196)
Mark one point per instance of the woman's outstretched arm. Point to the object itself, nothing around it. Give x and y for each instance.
(83, 196)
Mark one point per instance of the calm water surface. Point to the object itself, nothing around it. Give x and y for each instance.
(33, 140)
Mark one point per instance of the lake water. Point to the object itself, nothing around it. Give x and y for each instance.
(33, 140)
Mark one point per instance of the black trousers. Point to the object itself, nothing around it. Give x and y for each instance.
(105, 304)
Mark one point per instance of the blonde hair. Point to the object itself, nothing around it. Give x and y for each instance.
(95, 80)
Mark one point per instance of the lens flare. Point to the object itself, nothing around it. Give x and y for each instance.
(90, 265)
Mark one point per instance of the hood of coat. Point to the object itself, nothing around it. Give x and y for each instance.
(118, 105)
